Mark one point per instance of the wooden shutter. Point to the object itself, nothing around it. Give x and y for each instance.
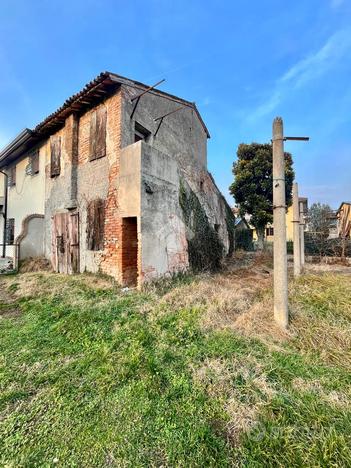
(55, 156)
(32, 167)
(10, 231)
(95, 224)
(98, 134)
(35, 162)
(11, 181)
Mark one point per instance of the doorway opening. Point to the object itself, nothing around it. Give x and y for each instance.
(129, 251)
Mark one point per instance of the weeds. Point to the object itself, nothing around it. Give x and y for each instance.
(186, 373)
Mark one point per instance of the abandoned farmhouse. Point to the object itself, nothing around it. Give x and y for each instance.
(116, 181)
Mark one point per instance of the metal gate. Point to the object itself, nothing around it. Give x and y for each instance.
(65, 242)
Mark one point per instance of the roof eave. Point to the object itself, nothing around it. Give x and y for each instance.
(104, 83)
(17, 146)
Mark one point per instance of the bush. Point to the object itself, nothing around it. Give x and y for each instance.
(317, 245)
(243, 239)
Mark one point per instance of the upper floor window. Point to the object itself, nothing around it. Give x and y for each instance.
(140, 132)
(98, 134)
(10, 231)
(11, 181)
(269, 231)
(55, 159)
(33, 163)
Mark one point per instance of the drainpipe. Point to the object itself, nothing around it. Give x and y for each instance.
(5, 213)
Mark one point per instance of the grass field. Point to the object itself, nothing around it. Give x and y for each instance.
(188, 373)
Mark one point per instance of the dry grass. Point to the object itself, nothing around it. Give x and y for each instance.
(52, 284)
(241, 385)
(8, 307)
(35, 264)
(239, 298)
(327, 268)
(322, 316)
(335, 398)
(249, 388)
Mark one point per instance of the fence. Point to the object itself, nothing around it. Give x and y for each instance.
(317, 245)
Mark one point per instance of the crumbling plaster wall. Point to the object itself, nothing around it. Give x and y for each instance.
(93, 179)
(181, 134)
(97, 179)
(162, 234)
(57, 189)
(31, 239)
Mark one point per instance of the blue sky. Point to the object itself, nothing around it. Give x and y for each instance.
(242, 63)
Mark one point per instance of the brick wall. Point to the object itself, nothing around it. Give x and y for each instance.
(129, 251)
(98, 179)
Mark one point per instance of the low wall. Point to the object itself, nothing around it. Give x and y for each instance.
(31, 238)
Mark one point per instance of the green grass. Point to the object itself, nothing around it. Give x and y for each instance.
(90, 376)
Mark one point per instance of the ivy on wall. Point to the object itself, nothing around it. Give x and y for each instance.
(205, 248)
(230, 221)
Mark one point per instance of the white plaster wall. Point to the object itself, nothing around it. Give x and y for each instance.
(27, 196)
(1, 217)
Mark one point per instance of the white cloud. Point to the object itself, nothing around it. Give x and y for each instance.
(306, 70)
(336, 3)
(321, 61)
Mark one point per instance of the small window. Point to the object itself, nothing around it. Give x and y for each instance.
(201, 185)
(95, 224)
(140, 132)
(269, 231)
(98, 134)
(216, 227)
(10, 231)
(11, 181)
(55, 159)
(35, 162)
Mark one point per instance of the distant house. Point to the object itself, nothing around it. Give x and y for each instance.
(241, 223)
(344, 220)
(303, 208)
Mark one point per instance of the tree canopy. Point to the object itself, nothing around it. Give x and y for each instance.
(320, 219)
(253, 184)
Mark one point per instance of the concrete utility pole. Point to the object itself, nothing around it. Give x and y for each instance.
(281, 313)
(279, 222)
(296, 226)
(302, 236)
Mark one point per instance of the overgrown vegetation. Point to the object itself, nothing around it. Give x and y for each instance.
(205, 248)
(244, 239)
(188, 374)
(230, 223)
(317, 245)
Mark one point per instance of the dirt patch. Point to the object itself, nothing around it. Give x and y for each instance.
(327, 268)
(8, 307)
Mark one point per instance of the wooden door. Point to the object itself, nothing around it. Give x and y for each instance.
(65, 242)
